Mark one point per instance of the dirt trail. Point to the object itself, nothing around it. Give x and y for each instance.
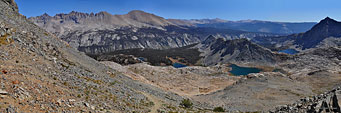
(157, 102)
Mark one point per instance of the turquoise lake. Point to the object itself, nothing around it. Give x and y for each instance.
(238, 71)
(178, 65)
(289, 51)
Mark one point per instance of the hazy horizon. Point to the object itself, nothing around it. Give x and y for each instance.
(232, 10)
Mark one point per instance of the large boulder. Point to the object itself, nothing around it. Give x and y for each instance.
(13, 4)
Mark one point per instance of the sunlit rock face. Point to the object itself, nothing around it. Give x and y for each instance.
(103, 32)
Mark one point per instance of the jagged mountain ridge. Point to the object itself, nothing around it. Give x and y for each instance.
(211, 51)
(103, 32)
(325, 29)
(218, 50)
(134, 18)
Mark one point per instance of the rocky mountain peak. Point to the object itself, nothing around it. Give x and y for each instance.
(76, 13)
(137, 12)
(103, 13)
(147, 18)
(325, 23)
(237, 50)
(328, 19)
(139, 15)
(324, 29)
(45, 15)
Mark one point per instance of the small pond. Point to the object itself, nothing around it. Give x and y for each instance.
(289, 51)
(142, 59)
(238, 71)
(178, 65)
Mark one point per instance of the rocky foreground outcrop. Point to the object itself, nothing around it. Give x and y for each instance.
(327, 102)
(320, 68)
(12, 4)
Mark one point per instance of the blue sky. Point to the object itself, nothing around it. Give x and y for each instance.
(272, 10)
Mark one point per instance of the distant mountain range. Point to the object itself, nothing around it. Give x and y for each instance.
(248, 25)
(318, 35)
(103, 32)
(137, 18)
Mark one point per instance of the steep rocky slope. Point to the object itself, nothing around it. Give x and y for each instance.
(103, 32)
(41, 73)
(218, 50)
(326, 28)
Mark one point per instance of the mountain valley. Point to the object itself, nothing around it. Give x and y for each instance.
(140, 62)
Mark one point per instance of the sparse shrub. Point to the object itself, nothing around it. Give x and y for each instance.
(218, 109)
(65, 83)
(186, 103)
(4, 40)
(172, 112)
(79, 96)
(114, 99)
(86, 92)
(151, 103)
(112, 83)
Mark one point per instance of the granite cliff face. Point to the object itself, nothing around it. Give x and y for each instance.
(103, 32)
(219, 50)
